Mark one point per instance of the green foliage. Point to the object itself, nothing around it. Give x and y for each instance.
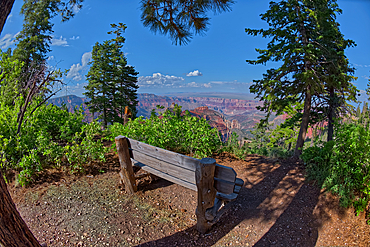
(233, 146)
(10, 71)
(306, 38)
(343, 166)
(52, 136)
(317, 160)
(112, 83)
(35, 36)
(180, 19)
(173, 131)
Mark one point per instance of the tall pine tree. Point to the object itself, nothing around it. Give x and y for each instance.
(311, 67)
(112, 83)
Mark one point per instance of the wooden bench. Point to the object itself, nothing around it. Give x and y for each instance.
(216, 184)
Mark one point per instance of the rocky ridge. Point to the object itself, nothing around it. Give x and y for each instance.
(227, 115)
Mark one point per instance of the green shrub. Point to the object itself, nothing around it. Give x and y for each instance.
(342, 166)
(232, 146)
(317, 160)
(173, 131)
(51, 136)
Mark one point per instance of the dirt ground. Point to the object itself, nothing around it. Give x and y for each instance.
(276, 207)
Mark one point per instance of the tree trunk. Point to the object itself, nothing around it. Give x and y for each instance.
(13, 230)
(331, 115)
(5, 8)
(304, 123)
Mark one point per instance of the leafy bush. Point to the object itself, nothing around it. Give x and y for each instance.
(233, 146)
(317, 160)
(174, 131)
(34, 135)
(343, 166)
(51, 136)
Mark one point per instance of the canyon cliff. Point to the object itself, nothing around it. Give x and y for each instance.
(226, 114)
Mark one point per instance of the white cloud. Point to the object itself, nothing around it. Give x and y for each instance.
(194, 84)
(162, 82)
(194, 73)
(361, 65)
(159, 80)
(86, 57)
(7, 40)
(74, 72)
(232, 85)
(74, 37)
(77, 90)
(59, 42)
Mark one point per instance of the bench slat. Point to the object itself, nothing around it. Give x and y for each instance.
(165, 176)
(225, 173)
(239, 182)
(223, 186)
(183, 161)
(176, 174)
(165, 155)
(175, 171)
(180, 167)
(237, 189)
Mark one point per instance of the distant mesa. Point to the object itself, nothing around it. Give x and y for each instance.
(227, 114)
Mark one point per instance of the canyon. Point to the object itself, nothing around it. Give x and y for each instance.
(223, 111)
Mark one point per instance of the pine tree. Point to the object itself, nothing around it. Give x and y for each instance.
(112, 83)
(300, 32)
(358, 111)
(180, 19)
(35, 37)
(177, 18)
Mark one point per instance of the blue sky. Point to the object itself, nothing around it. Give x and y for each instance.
(211, 63)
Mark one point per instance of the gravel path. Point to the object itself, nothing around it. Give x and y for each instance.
(276, 207)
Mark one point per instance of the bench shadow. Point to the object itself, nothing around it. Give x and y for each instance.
(259, 203)
(148, 185)
(292, 219)
(294, 228)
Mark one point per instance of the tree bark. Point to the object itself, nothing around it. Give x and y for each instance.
(13, 230)
(5, 9)
(304, 123)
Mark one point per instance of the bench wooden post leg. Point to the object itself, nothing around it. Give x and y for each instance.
(127, 173)
(204, 176)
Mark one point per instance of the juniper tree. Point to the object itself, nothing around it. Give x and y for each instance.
(300, 32)
(112, 83)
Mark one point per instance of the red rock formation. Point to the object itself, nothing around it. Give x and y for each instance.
(216, 120)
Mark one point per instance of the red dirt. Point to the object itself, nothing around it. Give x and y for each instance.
(276, 207)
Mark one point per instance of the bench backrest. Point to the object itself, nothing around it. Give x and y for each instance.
(214, 183)
(178, 168)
